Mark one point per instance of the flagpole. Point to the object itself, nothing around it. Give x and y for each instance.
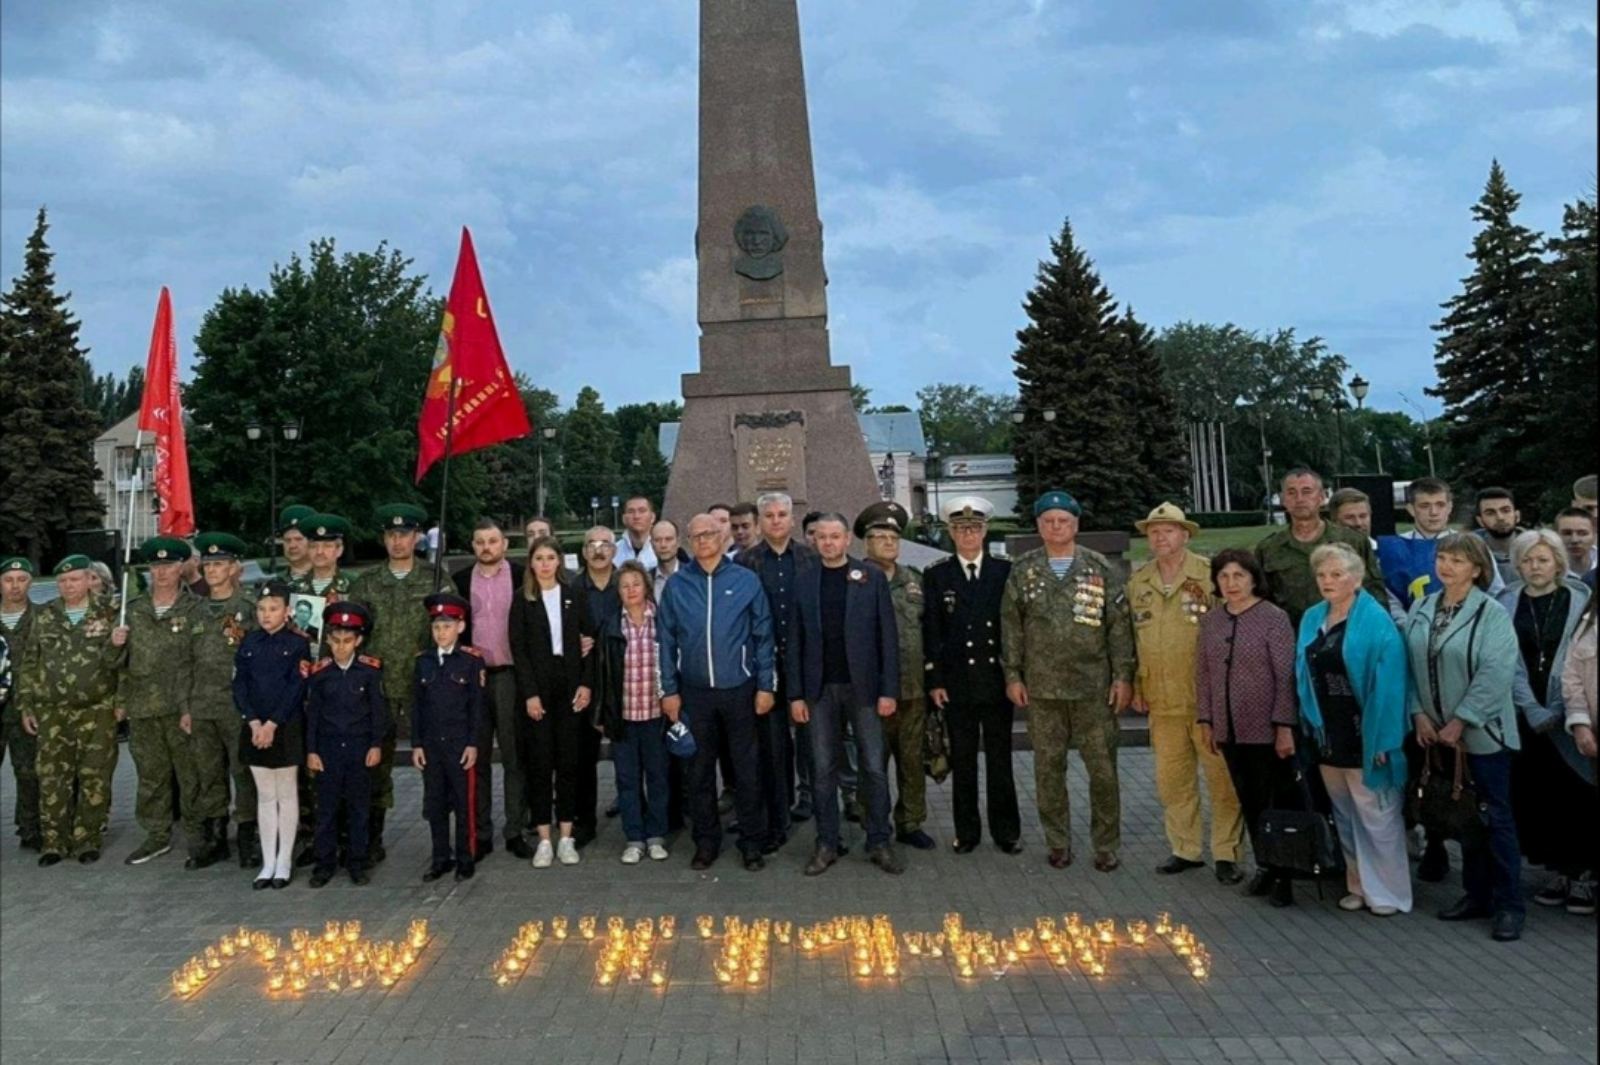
(444, 490)
(127, 540)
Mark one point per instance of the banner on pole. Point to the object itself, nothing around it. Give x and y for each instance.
(161, 415)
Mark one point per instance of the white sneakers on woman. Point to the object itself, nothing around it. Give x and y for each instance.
(567, 851)
(632, 854)
(1351, 903)
(543, 855)
(658, 851)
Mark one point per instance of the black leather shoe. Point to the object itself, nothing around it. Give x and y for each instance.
(1465, 909)
(1435, 863)
(1012, 847)
(916, 838)
(359, 876)
(886, 859)
(49, 858)
(89, 857)
(1228, 873)
(1282, 892)
(465, 871)
(519, 847)
(320, 877)
(1261, 883)
(435, 872)
(821, 859)
(702, 860)
(261, 883)
(963, 847)
(1175, 864)
(754, 863)
(613, 810)
(774, 844)
(1506, 927)
(280, 882)
(31, 843)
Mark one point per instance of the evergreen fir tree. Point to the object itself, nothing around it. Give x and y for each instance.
(1071, 358)
(47, 434)
(589, 455)
(1569, 436)
(1157, 422)
(1492, 351)
(648, 473)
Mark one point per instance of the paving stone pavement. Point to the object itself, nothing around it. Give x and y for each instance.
(85, 955)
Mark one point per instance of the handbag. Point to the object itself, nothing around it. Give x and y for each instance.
(605, 702)
(936, 746)
(1447, 804)
(1300, 841)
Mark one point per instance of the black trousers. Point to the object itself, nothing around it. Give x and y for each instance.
(713, 713)
(344, 785)
(552, 752)
(991, 721)
(776, 758)
(1263, 782)
(445, 794)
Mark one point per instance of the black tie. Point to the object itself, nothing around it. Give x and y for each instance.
(972, 571)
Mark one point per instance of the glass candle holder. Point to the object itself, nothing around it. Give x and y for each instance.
(558, 927)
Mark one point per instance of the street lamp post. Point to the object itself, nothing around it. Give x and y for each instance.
(1019, 416)
(546, 435)
(255, 432)
(932, 460)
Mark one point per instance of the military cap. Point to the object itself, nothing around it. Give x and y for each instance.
(292, 515)
(15, 564)
(324, 527)
(274, 588)
(406, 516)
(447, 605)
(219, 546)
(967, 510)
(886, 514)
(1167, 514)
(347, 614)
(1057, 499)
(70, 563)
(159, 550)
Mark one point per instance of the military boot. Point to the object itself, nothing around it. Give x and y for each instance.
(203, 851)
(375, 851)
(249, 846)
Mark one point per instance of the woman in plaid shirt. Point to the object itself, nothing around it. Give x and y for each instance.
(640, 756)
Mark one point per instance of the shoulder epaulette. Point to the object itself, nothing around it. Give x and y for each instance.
(305, 667)
(322, 664)
(473, 651)
(370, 660)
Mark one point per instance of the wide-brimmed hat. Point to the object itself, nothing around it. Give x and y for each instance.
(1167, 514)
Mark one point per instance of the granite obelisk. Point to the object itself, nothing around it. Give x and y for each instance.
(768, 411)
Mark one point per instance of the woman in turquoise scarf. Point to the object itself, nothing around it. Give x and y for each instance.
(1350, 668)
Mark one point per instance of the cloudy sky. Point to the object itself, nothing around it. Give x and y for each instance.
(1306, 163)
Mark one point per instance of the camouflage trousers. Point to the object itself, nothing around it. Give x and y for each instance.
(25, 767)
(1055, 726)
(903, 737)
(382, 776)
(214, 747)
(77, 754)
(161, 750)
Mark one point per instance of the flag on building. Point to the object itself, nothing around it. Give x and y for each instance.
(470, 384)
(161, 415)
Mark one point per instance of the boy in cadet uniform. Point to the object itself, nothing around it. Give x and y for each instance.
(394, 592)
(447, 715)
(324, 535)
(296, 548)
(68, 683)
(152, 695)
(17, 615)
(346, 718)
(218, 623)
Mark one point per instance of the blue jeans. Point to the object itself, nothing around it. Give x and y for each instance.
(640, 760)
(828, 717)
(1492, 866)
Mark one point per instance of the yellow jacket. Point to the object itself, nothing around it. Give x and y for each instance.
(1166, 628)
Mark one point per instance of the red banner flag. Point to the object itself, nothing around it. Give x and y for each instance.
(488, 407)
(161, 415)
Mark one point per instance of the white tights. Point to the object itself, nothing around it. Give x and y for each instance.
(278, 817)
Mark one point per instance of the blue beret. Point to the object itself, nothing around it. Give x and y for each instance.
(1057, 499)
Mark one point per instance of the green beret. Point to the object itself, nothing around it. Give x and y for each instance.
(215, 547)
(292, 515)
(404, 516)
(1057, 499)
(16, 563)
(324, 527)
(160, 549)
(70, 563)
(883, 515)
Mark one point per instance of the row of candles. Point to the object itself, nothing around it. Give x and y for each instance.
(340, 958)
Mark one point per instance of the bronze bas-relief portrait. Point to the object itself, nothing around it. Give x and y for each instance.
(761, 236)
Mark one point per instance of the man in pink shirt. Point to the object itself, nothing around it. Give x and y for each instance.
(490, 585)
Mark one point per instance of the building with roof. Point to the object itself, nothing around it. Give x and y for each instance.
(115, 459)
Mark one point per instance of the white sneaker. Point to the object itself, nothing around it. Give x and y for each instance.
(543, 855)
(658, 851)
(1352, 903)
(567, 851)
(1385, 911)
(632, 853)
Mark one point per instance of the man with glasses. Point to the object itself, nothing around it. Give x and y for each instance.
(599, 580)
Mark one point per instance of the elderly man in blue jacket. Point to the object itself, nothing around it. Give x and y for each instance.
(718, 672)
(843, 664)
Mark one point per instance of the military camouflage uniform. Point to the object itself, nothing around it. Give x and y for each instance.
(1286, 563)
(903, 734)
(69, 678)
(399, 631)
(216, 627)
(14, 738)
(154, 691)
(1068, 638)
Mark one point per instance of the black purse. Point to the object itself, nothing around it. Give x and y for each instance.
(1447, 803)
(1300, 841)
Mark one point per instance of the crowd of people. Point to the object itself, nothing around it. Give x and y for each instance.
(748, 664)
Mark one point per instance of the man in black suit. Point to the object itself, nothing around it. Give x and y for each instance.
(843, 664)
(965, 679)
(490, 585)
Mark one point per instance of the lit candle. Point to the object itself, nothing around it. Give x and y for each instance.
(658, 975)
(586, 925)
(213, 960)
(330, 931)
(558, 927)
(352, 931)
(705, 925)
(227, 947)
(276, 979)
(1163, 923)
(669, 926)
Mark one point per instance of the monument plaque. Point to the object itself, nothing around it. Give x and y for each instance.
(767, 411)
